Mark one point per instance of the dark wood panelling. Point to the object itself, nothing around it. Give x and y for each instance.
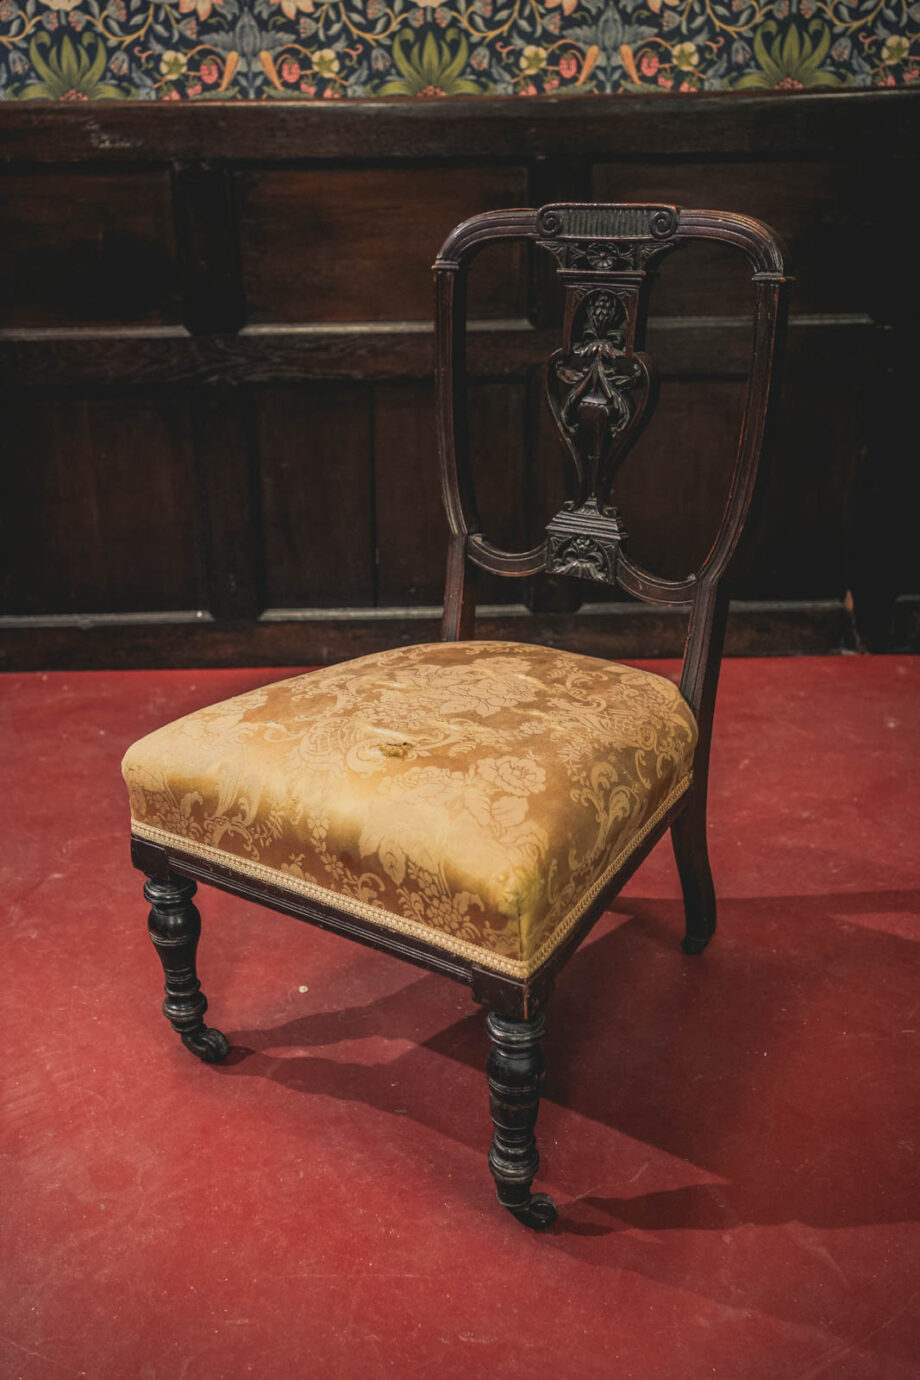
(826, 211)
(99, 509)
(411, 529)
(228, 501)
(264, 354)
(208, 232)
(357, 244)
(809, 502)
(499, 428)
(698, 346)
(307, 638)
(316, 475)
(755, 126)
(674, 485)
(167, 461)
(79, 247)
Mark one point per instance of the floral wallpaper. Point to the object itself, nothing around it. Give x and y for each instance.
(170, 50)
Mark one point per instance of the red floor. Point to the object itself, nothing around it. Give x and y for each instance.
(731, 1140)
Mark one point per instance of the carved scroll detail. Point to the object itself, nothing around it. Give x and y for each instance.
(609, 222)
(605, 239)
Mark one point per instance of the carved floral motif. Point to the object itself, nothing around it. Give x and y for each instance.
(584, 556)
(607, 256)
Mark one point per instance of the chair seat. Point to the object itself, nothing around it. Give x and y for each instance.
(477, 795)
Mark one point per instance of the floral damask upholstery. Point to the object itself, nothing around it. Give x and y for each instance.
(477, 795)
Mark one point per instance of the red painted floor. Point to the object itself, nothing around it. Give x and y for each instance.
(732, 1140)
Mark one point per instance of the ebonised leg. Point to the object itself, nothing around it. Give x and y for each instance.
(515, 1071)
(688, 835)
(174, 928)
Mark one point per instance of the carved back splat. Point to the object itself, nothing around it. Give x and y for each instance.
(601, 391)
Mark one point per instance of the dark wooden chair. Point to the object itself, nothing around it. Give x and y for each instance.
(473, 807)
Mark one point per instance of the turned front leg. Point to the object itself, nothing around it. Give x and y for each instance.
(174, 927)
(515, 1071)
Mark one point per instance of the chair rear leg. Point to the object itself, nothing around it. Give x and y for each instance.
(515, 1071)
(174, 927)
(688, 836)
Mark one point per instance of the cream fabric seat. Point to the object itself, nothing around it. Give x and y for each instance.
(476, 795)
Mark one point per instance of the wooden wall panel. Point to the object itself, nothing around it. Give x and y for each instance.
(348, 244)
(99, 511)
(216, 347)
(499, 448)
(316, 527)
(411, 529)
(87, 248)
(673, 486)
(825, 210)
(809, 513)
(222, 439)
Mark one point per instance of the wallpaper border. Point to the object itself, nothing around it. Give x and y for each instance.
(308, 50)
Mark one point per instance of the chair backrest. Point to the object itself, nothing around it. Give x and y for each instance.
(601, 391)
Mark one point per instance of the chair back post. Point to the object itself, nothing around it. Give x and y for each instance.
(601, 390)
(451, 269)
(453, 448)
(706, 628)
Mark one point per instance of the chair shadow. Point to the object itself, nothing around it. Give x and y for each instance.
(776, 1062)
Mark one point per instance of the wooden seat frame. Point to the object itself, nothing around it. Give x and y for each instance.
(601, 390)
